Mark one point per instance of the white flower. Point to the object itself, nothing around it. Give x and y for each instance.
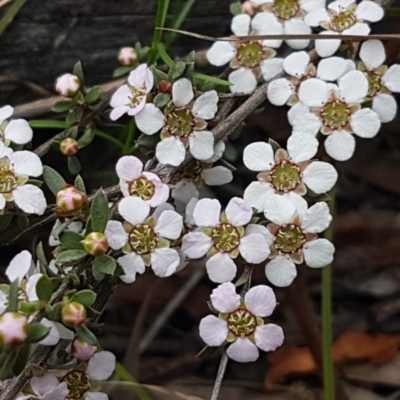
(15, 170)
(292, 237)
(143, 239)
(251, 59)
(289, 173)
(17, 131)
(131, 98)
(46, 387)
(223, 237)
(299, 68)
(241, 323)
(382, 81)
(342, 17)
(68, 85)
(183, 124)
(336, 112)
(135, 182)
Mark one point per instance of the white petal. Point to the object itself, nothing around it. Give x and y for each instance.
(206, 106)
(243, 81)
(365, 123)
(182, 92)
(327, 47)
(254, 228)
(207, 212)
(5, 113)
(391, 78)
(95, 396)
(307, 123)
(257, 193)
(150, 120)
(313, 92)
(217, 176)
(339, 5)
(318, 253)
(27, 163)
(161, 208)
(358, 28)
(53, 336)
(332, 68)
(132, 264)
(297, 110)
(121, 97)
(219, 149)
(171, 151)
(221, 268)
(220, 53)
(385, 106)
(353, 86)
(296, 63)
(279, 210)
(243, 350)
(31, 287)
(2, 202)
(201, 144)
(269, 25)
(30, 198)
(262, 19)
(169, 225)
(116, 235)
(43, 384)
(224, 298)
(19, 266)
(129, 168)
(260, 300)
(310, 5)
(268, 337)
(184, 190)
(133, 210)
(18, 131)
(258, 156)
(340, 145)
(213, 330)
(238, 212)
(299, 201)
(101, 366)
(317, 218)
(369, 11)
(372, 53)
(164, 261)
(316, 16)
(196, 244)
(189, 209)
(271, 68)
(302, 147)
(254, 248)
(320, 177)
(141, 78)
(240, 24)
(281, 271)
(279, 91)
(296, 26)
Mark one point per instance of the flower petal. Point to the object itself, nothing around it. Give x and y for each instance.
(18, 131)
(309, 5)
(307, 123)
(271, 68)
(196, 244)
(267, 23)
(296, 26)
(313, 92)
(150, 120)
(353, 86)
(182, 92)
(240, 24)
(164, 261)
(43, 384)
(169, 225)
(220, 53)
(297, 110)
(116, 235)
(281, 271)
(254, 248)
(19, 266)
(268, 337)
(391, 78)
(207, 212)
(369, 11)
(258, 156)
(365, 123)
(224, 298)
(243, 350)
(132, 264)
(31, 287)
(318, 253)
(27, 163)
(5, 113)
(279, 91)
(53, 336)
(171, 151)
(95, 396)
(133, 210)
(238, 212)
(260, 300)
(327, 47)
(30, 198)
(316, 16)
(243, 81)
(257, 193)
(340, 145)
(217, 176)
(372, 53)
(302, 147)
(320, 177)
(213, 330)
(254, 228)
(332, 68)
(299, 201)
(385, 106)
(201, 144)
(206, 106)
(317, 218)
(184, 190)
(279, 210)
(101, 366)
(129, 168)
(295, 64)
(221, 268)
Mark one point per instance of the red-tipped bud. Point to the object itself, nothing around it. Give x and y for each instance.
(69, 147)
(70, 200)
(127, 56)
(96, 244)
(13, 329)
(73, 314)
(82, 350)
(165, 87)
(249, 7)
(68, 85)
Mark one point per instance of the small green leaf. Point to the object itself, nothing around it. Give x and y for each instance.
(177, 70)
(94, 95)
(72, 132)
(122, 71)
(161, 100)
(86, 138)
(63, 106)
(45, 288)
(99, 276)
(80, 184)
(42, 259)
(22, 359)
(235, 8)
(5, 221)
(99, 211)
(13, 297)
(87, 335)
(37, 332)
(35, 182)
(85, 297)
(78, 71)
(53, 179)
(275, 145)
(164, 55)
(7, 364)
(149, 141)
(71, 240)
(29, 308)
(211, 79)
(74, 165)
(71, 257)
(105, 264)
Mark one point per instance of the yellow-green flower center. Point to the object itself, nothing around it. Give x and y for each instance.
(8, 180)
(180, 122)
(335, 114)
(142, 188)
(78, 384)
(137, 96)
(285, 9)
(241, 322)
(250, 54)
(289, 239)
(343, 20)
(225, 237)
(143, 239)
(374, 81)
(285, 176)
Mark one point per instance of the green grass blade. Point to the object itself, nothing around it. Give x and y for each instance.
(10, 14)
(211, 79)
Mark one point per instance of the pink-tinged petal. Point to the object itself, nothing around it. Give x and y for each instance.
(256, 194)
(238, 212)
(243, 81)
(30, 199)
(27, 163)
(121, 97)
(213, 330)
(169, 225)
(316, 16)
(260, 300)
(196, 244)
(220, 53)
(365, 123)
(268, 337)
(309, 5)
(182, 92)
(95, 396)
(164, 261)
(262, 230)
(281, 271)
(313, 92)
(129, 168)
(133, 210)
(320, 177)
(279, 91)
(221, 268)
(307, 123)
(385, 106)
(171, 151)
(243, 350)
(302, 147)
(317, 218)
(160, 196)
(279, 210)
(369, 11)
(353, 87)
(5, 113)
(101, 366)
(116, 235)
(201, 144)
(327, 47)
(136, 110)
(391, 78)
(217, 176)
(43, 384)
(318, 253)
(206, 106)
(19, 266)
(297, 110)
(141, 77)
(18, 131)
(240, 24)
(271, 68)
(372, 53)
(340, 145)
(295, 64)
(184, 190)
(150, 120)
(258, 156)
(207, 212)
(254, 248)
(296, 26)
(224, 298)
(132, 264)
(299, 201)
(118, 112)
(332, 68)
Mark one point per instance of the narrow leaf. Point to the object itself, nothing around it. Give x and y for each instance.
(85, 297)
(71, 240)
(105, 264)
(99, 211)
(53, 179)
(71, 257)
(87, 335)
(37, 332)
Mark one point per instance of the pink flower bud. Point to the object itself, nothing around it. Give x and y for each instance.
(73, 314)
(69, 147)
(13, 329)
(127, 56)
(96, 244)
(249, 8)
(82, 350)
(68, 85)
(70, 200)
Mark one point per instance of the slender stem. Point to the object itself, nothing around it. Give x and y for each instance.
(47, 124)
(108, 137)
(10, 14)
(130, 137)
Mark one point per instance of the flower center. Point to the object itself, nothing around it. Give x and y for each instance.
(137, 96)
(250, 54)
(8, 181)
(142, 188)
(143, 239)
(180, 122)
(285, 176)
(285, 9)
(289, 239)
(78, 384)
(225, 237)
(343, 20)
(241, 323)
(335, 114)
(374, 82)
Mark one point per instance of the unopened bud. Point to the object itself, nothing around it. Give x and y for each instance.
(165, 86)
(13, 329)
(82, 350)
(249, 8)
(127, 56)
(96, 244)
(73, 314)
(68, 85)
(69, 147)
(70, 200)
